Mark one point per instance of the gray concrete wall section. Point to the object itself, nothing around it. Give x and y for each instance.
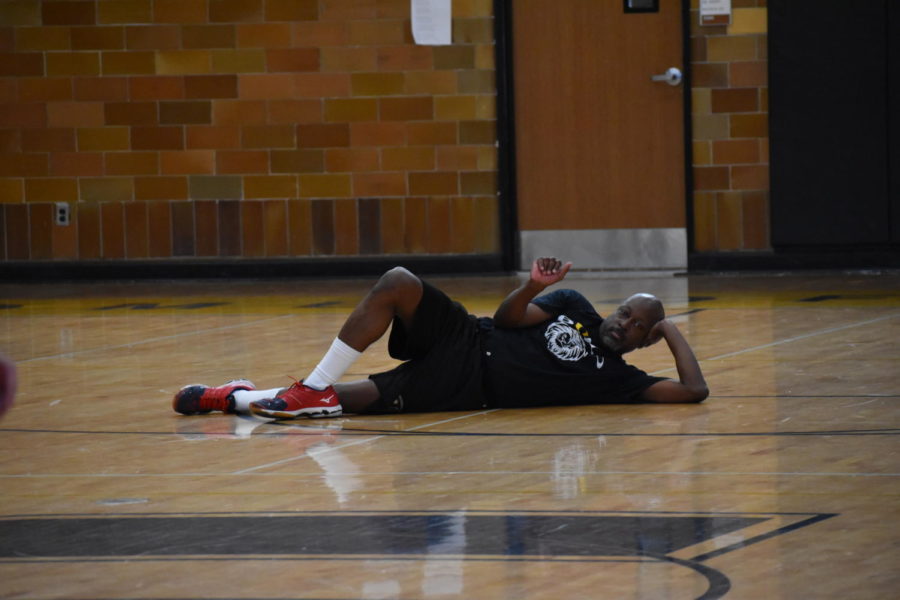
(663, 249)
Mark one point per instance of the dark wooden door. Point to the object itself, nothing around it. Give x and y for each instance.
(598, 144)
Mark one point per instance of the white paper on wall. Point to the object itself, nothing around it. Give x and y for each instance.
(431, 22)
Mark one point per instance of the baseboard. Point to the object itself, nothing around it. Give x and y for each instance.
(482, 264)
(796, 259)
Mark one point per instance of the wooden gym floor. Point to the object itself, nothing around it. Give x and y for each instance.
(783, 484)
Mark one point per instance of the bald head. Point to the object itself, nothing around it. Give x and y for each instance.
(650, 302)
(628, 328)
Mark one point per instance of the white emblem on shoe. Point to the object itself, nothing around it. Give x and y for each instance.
(326, 400)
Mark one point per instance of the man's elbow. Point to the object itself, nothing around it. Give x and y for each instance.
(698, 393)
(675, 392)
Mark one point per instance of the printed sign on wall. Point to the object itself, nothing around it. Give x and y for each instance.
(715, 12)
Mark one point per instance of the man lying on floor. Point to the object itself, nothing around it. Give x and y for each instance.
(537, 350)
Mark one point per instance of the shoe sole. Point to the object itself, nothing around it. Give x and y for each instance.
(312, 413)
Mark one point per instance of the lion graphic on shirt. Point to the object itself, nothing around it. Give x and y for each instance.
(565, 342)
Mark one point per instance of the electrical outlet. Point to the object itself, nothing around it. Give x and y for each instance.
(62, 213)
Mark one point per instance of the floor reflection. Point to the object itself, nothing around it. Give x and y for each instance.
(572, 463)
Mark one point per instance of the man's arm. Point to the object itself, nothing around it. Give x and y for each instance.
(517, 309)
(690, 387)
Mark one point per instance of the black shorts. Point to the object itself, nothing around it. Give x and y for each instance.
(442, 350)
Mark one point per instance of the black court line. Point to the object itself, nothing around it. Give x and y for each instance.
(352, 431)
(718, 582)
(526, 536)
(763, 537)
(386, 537)
(298, 430)
(157, 306)
(692, 311)
(821, 298)
(93, 559)
(826, 297)
(313, 513)
(448, 534)
(786, 396)
(324, 304)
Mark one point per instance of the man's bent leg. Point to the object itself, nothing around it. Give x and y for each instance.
(396, 294)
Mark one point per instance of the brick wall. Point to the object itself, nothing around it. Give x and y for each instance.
(244, 128)
(730, 130)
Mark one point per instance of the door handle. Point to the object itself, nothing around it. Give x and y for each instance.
(672, 76)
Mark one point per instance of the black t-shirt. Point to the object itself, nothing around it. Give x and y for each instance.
(560, 361)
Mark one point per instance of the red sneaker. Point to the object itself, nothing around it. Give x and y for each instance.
(201, 399)
(299, 401)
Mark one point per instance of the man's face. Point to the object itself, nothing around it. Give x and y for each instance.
(627, 328)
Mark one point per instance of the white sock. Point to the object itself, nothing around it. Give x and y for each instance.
(243, 398)
(333, 365)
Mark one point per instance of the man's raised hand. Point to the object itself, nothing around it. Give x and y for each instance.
(549, 270)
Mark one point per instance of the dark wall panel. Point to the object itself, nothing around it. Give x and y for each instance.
(828, 66)
(893, 37)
